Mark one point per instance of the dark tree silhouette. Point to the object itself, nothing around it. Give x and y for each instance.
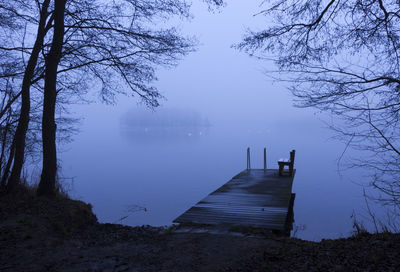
(114, 44)
(342, 57)
(47, 183)
(23, 122)
(17, 77)
(215, 3)
(8, 120)
(111, 46)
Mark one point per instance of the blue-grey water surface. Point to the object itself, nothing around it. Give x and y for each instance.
(123, 169)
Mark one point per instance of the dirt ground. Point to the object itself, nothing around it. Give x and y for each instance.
(63, 235)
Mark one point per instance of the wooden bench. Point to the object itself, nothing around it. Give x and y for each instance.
(288, 162)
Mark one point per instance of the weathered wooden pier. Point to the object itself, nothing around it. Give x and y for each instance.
(260, 198)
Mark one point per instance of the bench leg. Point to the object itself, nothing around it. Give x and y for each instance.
(280, 169)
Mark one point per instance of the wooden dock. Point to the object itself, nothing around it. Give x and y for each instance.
(259, 198)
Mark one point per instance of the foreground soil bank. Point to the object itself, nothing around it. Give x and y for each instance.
(63, 235)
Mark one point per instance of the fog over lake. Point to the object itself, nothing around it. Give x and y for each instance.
(152, 165)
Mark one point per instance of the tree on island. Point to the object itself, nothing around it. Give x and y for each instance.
(342, 57)
(114, 46)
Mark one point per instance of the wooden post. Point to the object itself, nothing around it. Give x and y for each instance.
(248, 159)
(265, 159)
(291, 165)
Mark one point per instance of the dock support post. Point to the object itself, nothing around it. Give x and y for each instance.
(265, 159)
(291, 165)
(248, 159)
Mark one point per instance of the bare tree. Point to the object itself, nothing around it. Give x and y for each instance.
(16, 22)
(8, 121)
(23, 122)
(47, 183)
(114, 44)
(342, 57)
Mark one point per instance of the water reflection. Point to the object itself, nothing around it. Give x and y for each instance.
(163, 134)
(167, 171)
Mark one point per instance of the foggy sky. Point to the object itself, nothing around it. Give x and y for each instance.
(218, 81)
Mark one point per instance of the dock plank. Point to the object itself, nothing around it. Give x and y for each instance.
(255, 197)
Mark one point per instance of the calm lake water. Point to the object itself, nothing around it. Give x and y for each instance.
(154, 175)
(123, 170)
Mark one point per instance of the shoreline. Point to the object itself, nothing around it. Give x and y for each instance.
(38, 234)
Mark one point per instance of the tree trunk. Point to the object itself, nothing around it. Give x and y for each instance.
(49, 170)
(23, 122)
(8, 166)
